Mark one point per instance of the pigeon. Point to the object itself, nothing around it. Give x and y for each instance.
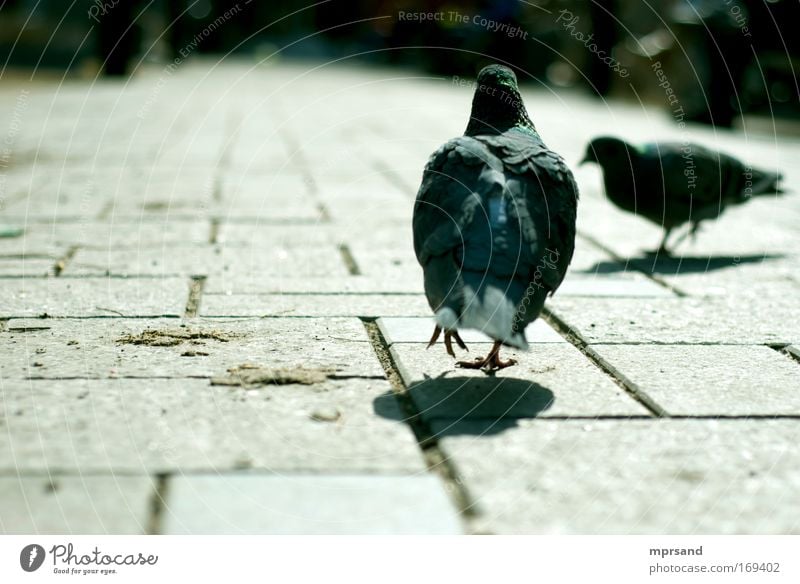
(494, 223)
(672, 183)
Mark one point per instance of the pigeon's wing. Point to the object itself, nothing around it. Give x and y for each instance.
(449, 196)
(700, 180)
(545, 204)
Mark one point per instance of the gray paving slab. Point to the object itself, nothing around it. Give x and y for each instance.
(27, 267)
(681, 320)
(265, 206)
(631, 476)
(55, 238)
(316, 305)
(550, 380)
(710, 380)
(753, 279)
(116, 347)
(419, 330)
(65, 297)
(185, 425)
(256, 283)
(261, 235)
(308, 505)
(75, 505)
(267, 261)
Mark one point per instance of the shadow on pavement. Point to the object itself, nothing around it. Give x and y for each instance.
(470, 405)
(660, 264)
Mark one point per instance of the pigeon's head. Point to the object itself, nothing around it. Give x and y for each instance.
(497, 76)
(606, 150)
(497, 105)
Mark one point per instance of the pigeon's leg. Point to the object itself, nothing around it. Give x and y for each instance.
(491, 362)
(436, 332)
(662, 249)
(692, 231)
(448, 340)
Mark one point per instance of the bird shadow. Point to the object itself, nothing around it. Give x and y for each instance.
(660, 264)
(466, 405)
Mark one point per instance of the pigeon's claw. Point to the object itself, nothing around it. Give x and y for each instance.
(492, 361)
(448, 344)
(459, 341)
(449, 336)
(436, 332)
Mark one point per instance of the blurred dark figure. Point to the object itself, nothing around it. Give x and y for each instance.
(728, 52)
(748, 61)
(604, 27)
(118, 37)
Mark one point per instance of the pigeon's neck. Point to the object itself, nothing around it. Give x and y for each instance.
(496, 110)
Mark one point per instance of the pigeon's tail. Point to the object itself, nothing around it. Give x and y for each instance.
(490, 306)
(763, 182)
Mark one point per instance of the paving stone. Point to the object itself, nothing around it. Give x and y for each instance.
(183, 425)
(708, 380)
(64, 297)
(85, 505)
(254, 284)
(26, 266)
(308, 505)
(363, 305)
(631, 476)
(395, 261)
(92, 348)
(679, 320)
(268, 207)
(629, 285)
(274, 261)
(419, 330)
(755, 279)
(259, 235)
(56, 238)
(551, 380)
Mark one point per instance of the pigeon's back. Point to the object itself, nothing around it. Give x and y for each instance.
(494, 230)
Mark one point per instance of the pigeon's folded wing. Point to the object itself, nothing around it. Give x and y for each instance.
(547, 209)
(448, 197)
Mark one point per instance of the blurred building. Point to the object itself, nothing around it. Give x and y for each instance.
(721, 57)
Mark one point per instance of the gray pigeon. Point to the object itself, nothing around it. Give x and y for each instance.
(671, 184)
(494, 222)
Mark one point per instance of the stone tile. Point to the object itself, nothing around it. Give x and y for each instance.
(316, 305)
(419, 330)
(30, 267)
(550, 380)
(183, 425)
(268, 207)
(260, 235)
(309, 505)
(273, 261)
(91, 348)
(631, 476)
(679, 320)
(627, 286)
(709, 380)
(75, 505)
(65, 297)
(55, 238)
(256, 283)
(754, 279)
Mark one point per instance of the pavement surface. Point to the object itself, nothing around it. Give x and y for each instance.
(212, 321)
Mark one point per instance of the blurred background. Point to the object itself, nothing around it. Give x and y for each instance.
(724, 58)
